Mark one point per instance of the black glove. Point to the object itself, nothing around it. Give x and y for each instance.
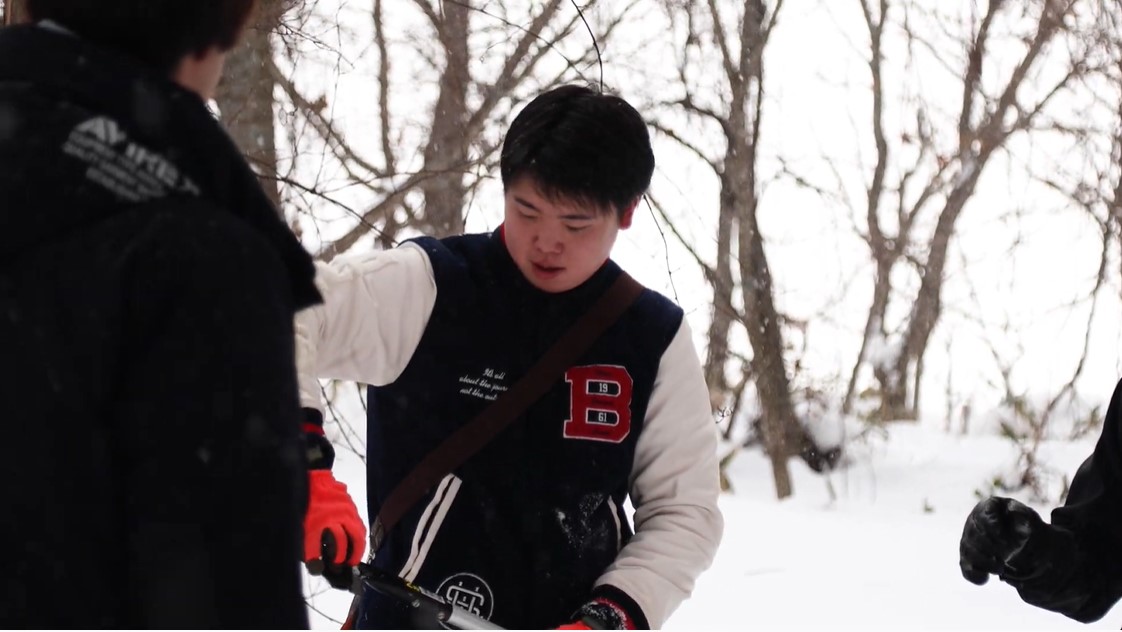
(339, 576)
(1006, 538)
(609, 609)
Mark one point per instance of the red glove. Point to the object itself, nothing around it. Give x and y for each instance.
(331, 509)
(579, 625)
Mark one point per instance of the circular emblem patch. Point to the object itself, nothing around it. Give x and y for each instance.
(468, 592)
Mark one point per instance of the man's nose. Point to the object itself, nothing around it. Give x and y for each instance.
(550, 240)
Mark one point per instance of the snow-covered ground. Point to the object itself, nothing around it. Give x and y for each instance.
(884, 555)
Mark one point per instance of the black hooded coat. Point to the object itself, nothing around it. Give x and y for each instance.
(151, 473)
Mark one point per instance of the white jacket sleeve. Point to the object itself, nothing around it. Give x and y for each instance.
(674, 489)
(375, 309)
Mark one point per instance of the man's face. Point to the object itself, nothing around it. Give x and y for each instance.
(557, 245)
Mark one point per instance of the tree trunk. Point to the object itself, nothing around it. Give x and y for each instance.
(446, 155)
(762, 322)
(14, 11)
(893, 380)
(720, 325)
(874, 326)
(246, 96)
(783, 435)
(928, 306)
(1117, 217)
(884, 254)
(1115, 202)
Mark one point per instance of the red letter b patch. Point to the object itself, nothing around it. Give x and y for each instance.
(600, 403)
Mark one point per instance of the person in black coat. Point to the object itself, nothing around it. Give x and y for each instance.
(1073, 565)
(153, 470)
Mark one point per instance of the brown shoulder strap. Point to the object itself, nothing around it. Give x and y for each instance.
(478, 432)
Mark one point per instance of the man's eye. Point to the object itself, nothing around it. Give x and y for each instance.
(576, 228)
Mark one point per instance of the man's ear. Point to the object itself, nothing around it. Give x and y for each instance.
(200, 71)
(628, 214)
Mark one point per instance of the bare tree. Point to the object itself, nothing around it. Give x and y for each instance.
(736, 44)
(936, 187)
(246, 96)
(1093, 187)
(477, 60)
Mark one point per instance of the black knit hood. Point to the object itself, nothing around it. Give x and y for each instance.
(86, 133)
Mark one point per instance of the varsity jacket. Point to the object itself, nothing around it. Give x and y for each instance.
(534, 525)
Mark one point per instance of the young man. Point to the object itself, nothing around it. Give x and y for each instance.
(531, 531)
(1072, 566)
(153, 473)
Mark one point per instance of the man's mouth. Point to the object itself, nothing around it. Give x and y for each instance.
(546, 270)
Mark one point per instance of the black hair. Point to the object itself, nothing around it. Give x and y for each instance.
(157, 32)
(580, 145)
